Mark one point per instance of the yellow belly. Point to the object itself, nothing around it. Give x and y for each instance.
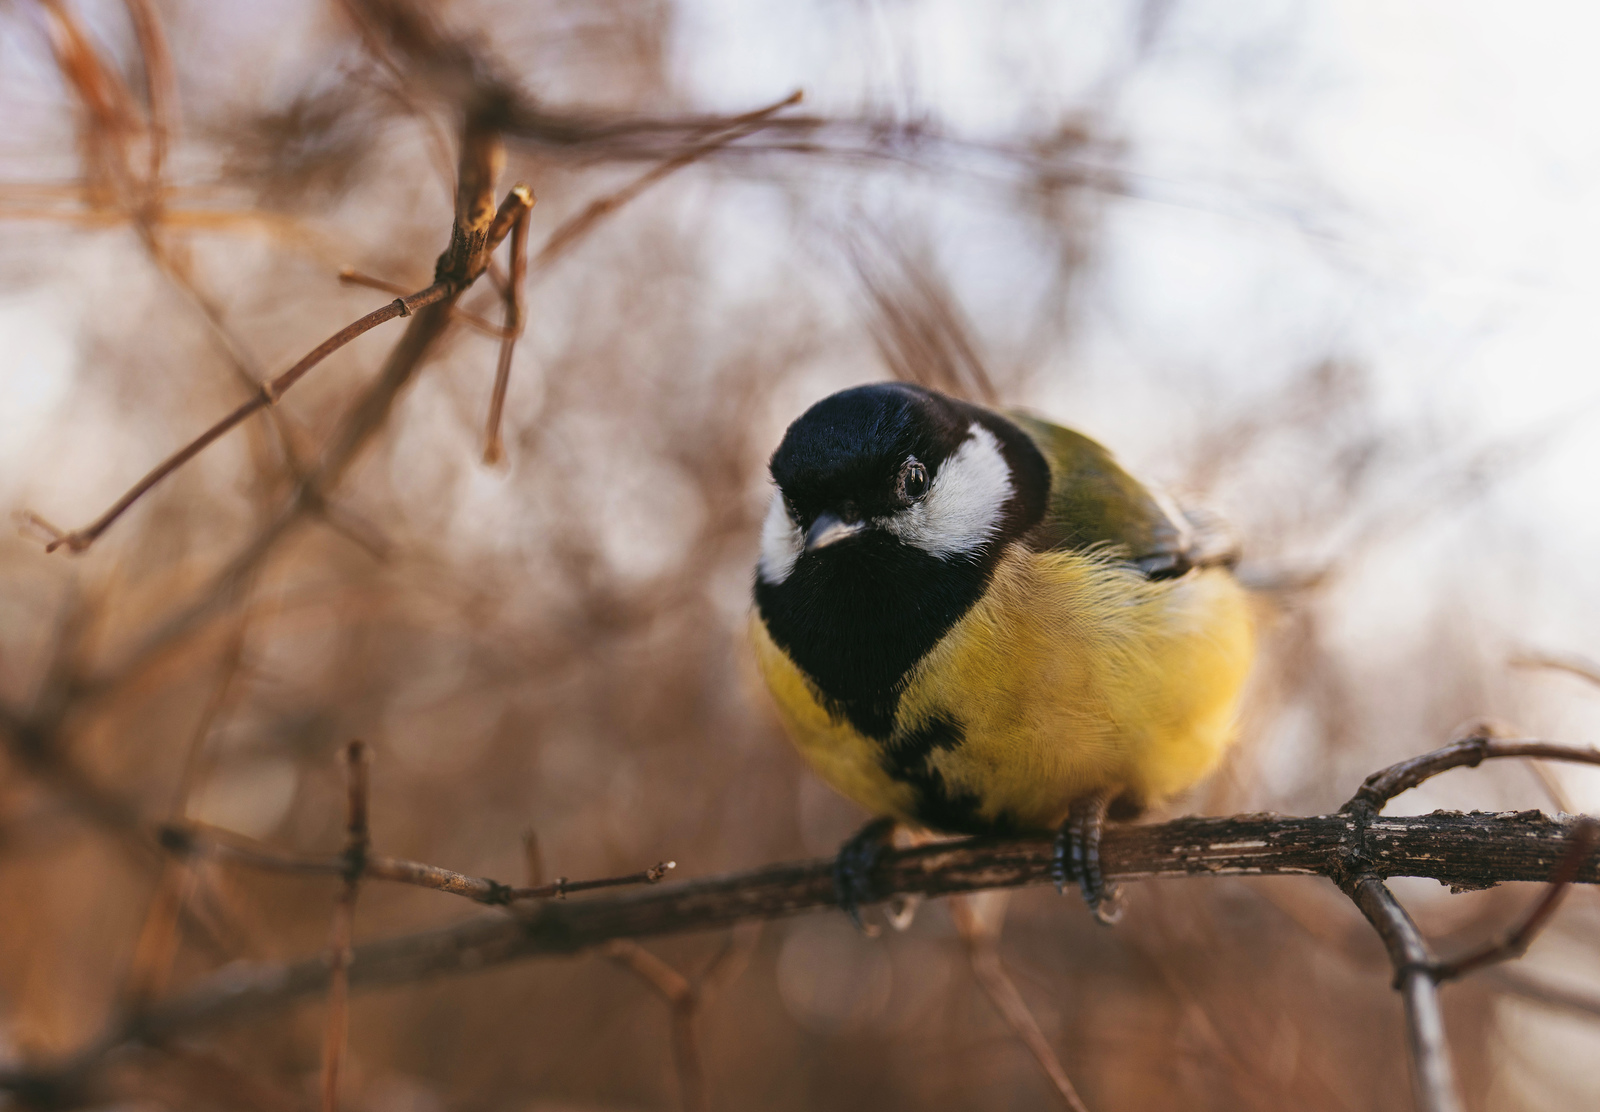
(1073, 675)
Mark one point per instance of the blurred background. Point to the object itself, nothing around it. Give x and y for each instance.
(1327, 270)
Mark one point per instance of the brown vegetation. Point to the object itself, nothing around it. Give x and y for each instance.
(550, 640)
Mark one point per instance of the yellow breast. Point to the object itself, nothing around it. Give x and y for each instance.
(1072, 675)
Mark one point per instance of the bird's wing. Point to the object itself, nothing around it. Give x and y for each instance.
(1095, 503)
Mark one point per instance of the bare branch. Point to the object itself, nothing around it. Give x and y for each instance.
(1433, 1080)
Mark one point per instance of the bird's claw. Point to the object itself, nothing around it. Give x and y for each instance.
(854, 866)
(1077, 857)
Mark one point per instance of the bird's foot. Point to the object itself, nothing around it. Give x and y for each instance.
(1077, 857)
(853, 868)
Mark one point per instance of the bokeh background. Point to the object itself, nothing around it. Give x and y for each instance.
(1327, 270)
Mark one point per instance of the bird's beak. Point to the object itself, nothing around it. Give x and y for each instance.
(829, 529)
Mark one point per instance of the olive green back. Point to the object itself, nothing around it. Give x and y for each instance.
(1094, 502)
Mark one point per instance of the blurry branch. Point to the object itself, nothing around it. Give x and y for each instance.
(1571, 663)
(453, 69)
(476, 232)
(1528, 986)
(920, 330)
(1357, 848)
(709, 138)
(157, 943)
(686, 998)
(112, 183)
(271, 391)
(357, 839)
(682, 999)
(160, 85)
(493, 449)
(982, 939)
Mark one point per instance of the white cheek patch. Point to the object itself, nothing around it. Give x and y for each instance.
(781, 542)
(964, 503)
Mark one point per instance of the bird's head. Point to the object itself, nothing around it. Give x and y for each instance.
(877, 470)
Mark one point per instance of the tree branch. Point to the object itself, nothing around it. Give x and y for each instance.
(1470, 850)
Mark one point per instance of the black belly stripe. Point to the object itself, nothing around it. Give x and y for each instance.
(908, 758)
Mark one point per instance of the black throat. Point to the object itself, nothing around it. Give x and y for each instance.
(857, 619)
(856, 616)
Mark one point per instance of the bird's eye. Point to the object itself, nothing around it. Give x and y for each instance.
(913, 480)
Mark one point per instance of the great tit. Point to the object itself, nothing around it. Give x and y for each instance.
(976, 622)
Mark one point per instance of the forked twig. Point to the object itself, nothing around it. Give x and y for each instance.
(683, 998)
(1418, 973)
(686, 998)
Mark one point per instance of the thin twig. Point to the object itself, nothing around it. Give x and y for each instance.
(983, 952)
(270, 392)
(157, 944)
(350, 276)
(160, 91)
(493, 449)
(580, 225)
(1433, 1080)
(1520, 983)
(197, 839)
(1379, 788)
(340, 954)
(1571, 663)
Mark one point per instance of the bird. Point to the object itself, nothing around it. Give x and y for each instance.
(975, 622)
